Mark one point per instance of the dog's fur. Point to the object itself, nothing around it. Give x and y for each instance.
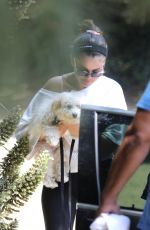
(66, 109)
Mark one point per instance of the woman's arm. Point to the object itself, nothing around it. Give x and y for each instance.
(39, 104)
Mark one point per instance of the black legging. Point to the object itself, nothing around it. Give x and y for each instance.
(51, 205)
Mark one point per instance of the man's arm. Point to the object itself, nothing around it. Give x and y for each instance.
(130, 155)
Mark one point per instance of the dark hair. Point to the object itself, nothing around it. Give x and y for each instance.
(90, 40)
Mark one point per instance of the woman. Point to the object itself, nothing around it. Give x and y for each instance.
(89, 53)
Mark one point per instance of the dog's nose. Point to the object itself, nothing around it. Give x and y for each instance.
(74, 115)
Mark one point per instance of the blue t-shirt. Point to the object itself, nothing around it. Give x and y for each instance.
(144, 102)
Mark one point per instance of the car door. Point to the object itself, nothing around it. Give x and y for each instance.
(101, 132)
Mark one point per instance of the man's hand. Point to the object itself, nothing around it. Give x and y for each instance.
(106, 206)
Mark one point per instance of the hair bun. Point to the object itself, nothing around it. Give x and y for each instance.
(88, 25)
(90, 40)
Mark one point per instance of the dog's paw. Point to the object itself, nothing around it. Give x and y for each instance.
(52, 135)
(50, 182)
(52, 141)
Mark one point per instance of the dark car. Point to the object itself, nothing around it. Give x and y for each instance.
(101, 132)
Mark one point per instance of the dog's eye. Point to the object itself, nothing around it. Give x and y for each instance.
(69, 106)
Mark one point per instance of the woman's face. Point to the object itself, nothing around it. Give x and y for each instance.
(88, 69)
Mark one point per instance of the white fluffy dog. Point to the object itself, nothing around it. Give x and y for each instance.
(64, 108)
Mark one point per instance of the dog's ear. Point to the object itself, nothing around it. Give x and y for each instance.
(53, 120)
(50, 118)
(55, 106)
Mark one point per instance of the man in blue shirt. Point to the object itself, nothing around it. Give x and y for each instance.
(144, 102)
(132, 152)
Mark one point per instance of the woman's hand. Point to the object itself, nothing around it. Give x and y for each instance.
(62, 128)
(72, 128)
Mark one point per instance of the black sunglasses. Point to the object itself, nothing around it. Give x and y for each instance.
(86, 73)
(83, 72)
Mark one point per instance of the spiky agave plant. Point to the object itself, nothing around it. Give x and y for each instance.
(14, 189)
(9, 166)
(19, 192)
(12, 162)
(11, 226)
(9, 124)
